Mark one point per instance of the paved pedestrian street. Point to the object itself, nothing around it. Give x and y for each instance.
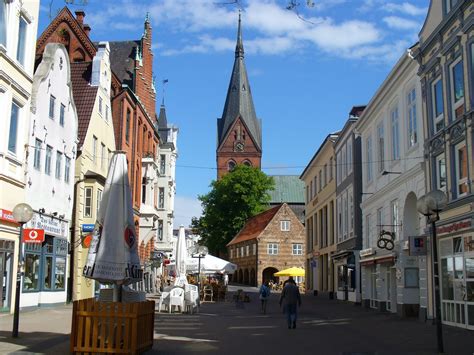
(324, 327)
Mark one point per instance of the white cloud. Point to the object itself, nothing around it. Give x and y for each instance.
(185, 208)
(406, 8)
(401, 23)
(389, 52)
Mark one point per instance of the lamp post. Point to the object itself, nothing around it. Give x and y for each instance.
(201, 252)
(430, 205)
(22, 213)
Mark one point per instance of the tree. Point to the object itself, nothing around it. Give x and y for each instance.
(239, 195)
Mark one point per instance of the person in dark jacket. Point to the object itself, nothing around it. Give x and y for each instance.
(290, 298)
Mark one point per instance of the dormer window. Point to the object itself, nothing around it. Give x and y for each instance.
(450, 4)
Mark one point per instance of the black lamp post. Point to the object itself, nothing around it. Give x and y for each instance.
(22, 213)
(430, 205)
(201, 252)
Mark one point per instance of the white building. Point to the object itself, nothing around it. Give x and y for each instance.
(166, 183)
(393, 179)
(18, 27)
(50, 178)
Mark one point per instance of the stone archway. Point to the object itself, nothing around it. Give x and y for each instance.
(241, 278)
(253, 278)
(246, 277)
(267, 275)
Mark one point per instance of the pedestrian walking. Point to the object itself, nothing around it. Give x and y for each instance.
(264, 296)
(290, 298)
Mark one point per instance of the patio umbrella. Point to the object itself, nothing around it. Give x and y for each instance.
(181, 255)
(113, 257)
(292, 271)
(212, 264)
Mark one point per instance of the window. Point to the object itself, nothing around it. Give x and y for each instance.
(379, 220)
(52, 104)
(62, 109)
(12, 135)
(297, 249)
(320, 180)
(247, 250)
(242, 252)
(461, 169)
(325, 175)
(20, 53)
(127, 127)
(100, 105)
(440, 172)
(161, 197)
(37, 157)
(231, 165)
(457, 84)
(45, 265)
(349, 156)
(394, 212)
(339, 220)
(450, 4)
(395, 134)
(67, 169)
(412, 128)
(344, 163)
(106, 113)
(351, 212)
(338, 167)
(381, 147)
(344, 214)
(102, 155)
(162, 164)
(47, 164)
(59, 158)
(94, 149)
(368, 227)
(311, 189)
(88, 202)
(285, 226)
(331, 166)
(99, 199)
(109, 157)
(438, 105)
(272, 248)
(254, 249)
(369, 158)
(160, 229)
(3, 24)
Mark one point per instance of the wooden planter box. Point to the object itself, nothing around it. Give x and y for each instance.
(112, 327)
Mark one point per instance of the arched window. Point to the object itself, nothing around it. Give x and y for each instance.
(247, 163)
(231, 165)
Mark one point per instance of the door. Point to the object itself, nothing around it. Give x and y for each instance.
(388, 285)
(373, 288)
(391, 290)
(2, 279)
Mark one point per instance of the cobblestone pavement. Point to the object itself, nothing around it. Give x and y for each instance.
(324, 327)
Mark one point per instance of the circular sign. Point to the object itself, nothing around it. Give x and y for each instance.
(33, 234)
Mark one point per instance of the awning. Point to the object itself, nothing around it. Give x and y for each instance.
(381, 259)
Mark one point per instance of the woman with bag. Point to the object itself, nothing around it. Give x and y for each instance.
(264, 295)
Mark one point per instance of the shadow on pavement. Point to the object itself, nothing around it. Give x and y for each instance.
(35, 342)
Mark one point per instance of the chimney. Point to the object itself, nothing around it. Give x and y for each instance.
(80, 16)
(86, 29)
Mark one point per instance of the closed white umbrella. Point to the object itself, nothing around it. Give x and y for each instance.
(113, 256)
(181, 256)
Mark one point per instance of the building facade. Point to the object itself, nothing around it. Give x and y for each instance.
(269, 242)
(239, 132)
(348, 219)
(50, 175)
(392, 181)
(319, 177)
(18, 27)
(445, 53)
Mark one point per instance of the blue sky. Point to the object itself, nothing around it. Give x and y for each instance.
(307, 67)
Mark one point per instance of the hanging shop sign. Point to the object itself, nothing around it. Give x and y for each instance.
(33, 236)
(88, 227)
(367, 252)
(52, 226)
(454, 227)
(7, 216)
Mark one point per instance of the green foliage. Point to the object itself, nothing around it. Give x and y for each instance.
(239, 195)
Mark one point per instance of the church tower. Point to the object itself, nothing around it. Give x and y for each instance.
(239, 132)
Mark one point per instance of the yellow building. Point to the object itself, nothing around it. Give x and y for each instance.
(91, 89)
(18, 26)
(320, 181)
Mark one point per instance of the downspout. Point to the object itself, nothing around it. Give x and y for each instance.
(73, 245)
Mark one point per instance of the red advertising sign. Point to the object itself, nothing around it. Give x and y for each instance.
(7, 216)
(33, 235)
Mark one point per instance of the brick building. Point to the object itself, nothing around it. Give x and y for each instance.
(132, 95)
(269, 242)
(239, 132)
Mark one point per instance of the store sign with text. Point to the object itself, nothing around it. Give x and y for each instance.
(33, 235)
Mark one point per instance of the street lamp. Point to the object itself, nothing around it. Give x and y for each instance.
(201, 252)
(22, 213)
(430, 205)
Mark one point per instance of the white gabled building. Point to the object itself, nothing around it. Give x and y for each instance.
(52, 146)
(393, 179)
(18, 27)
(166, 183)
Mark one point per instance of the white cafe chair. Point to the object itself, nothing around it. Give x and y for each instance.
(176, 299)
(164, 300)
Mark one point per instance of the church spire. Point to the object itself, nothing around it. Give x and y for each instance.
(239, 48)
(239, 102)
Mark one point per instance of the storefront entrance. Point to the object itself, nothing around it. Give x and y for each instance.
(6, 268)
(457, 281)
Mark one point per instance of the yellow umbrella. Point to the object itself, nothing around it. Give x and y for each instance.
(292, 271)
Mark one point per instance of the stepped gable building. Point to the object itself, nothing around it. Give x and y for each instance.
(269, 242)
(132, 96)
(239, 132)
